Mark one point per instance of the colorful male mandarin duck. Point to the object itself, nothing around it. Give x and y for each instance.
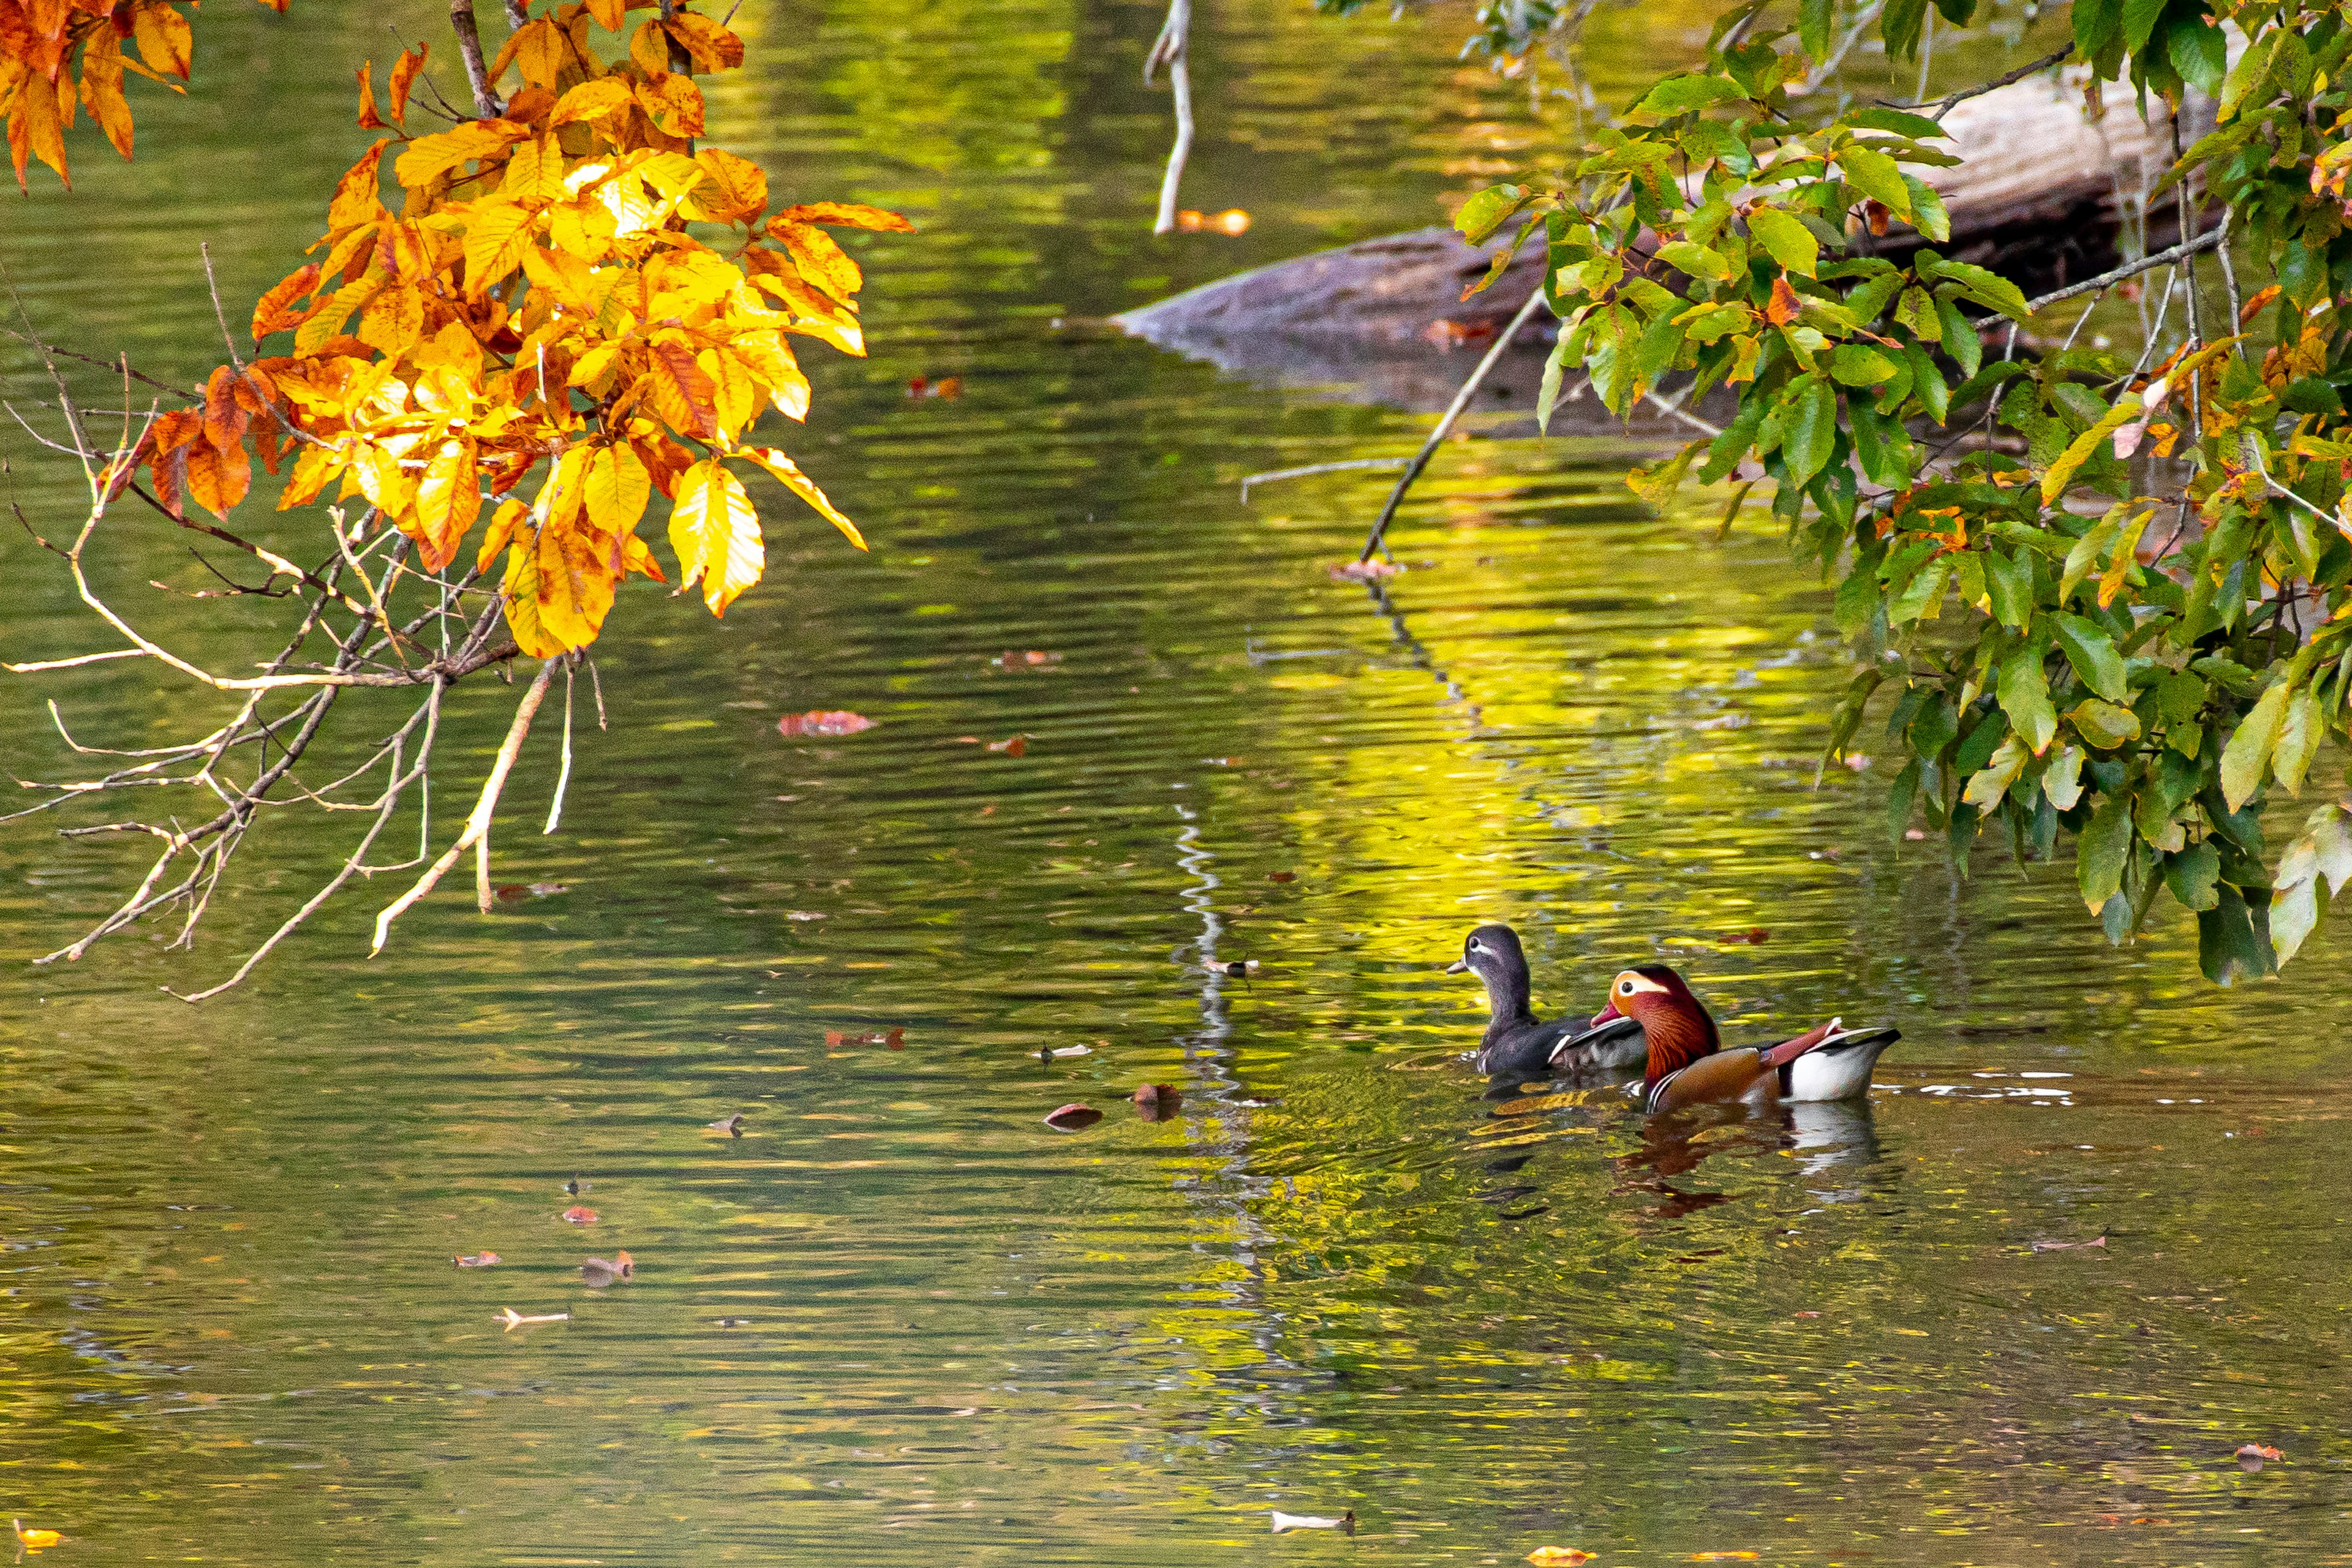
(1688, 1066)
(1519, 1045)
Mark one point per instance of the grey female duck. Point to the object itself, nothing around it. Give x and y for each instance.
(1519, 1045)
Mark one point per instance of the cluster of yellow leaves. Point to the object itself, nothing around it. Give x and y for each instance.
(41, 94)
(540, 298)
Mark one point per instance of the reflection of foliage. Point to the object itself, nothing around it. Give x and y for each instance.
(2137, 675)
(929, 99)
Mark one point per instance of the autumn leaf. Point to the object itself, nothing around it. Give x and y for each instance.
(101, 88)
(274, 312)
(225, 417)
(1558, 1557)
(448, 500)
(611, 14)
(163, 38)
(1784, 306)
(369, 119)
(580, 1213)
(672, 102)
(617, 489)
(801, 485)
(34, 1540)
(430, 157)
(819, 260)
(845, 215)
(591, 101)
(680, 393)
(497, 234)
(823, 722)
(716, 534)
(713, 46)
(356, 199)
(218, 479)
(1072, 1118)
(736, 190)
(405, 71)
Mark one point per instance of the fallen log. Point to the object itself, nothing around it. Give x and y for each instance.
(2044, 192)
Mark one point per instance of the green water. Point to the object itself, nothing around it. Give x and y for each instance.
(902, 1321)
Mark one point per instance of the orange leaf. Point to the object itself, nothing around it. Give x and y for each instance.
(648, 48)
(735, 189)
(714, 47)
(1784, 306)
(1558, 1557)
(680, 393)
(801, 485)
(44, 127)
(716, 534)
(218, 479)
(609, 14)
(35, 1540)
(538, 46)
(369, 119)
(847, 214)
(404, 72)
(224, 417)
(164, 39)
(672, 102)
(101, 88)
(393, 320)
(276, 311)
(510, 516)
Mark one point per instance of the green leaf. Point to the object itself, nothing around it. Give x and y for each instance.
(2295, 912)
(1927, 382)
(2097, 24)
(2025, 698)
(2140, 17)
(1960, 340)
(2251, 69)
(1548, 392)
(2103, 724)
(2009, 583)
(1809, 415)
(2233, 940)
(2199, 52)
(1488, 210)
(2092, 654)
(1859, 366)
(1877, 177)
(1813, 27)
(1928, 213)
(2062, 781)
(2298, 740)
(1899, 25)
(1790, 243)
(1722, 454)
(1902, 123)
(1683, 94)
(1655, 352)
(1989, 783)
(1987, 288)
(2100, 853)
(1707, 266)
(2251, 744)
(2190, 874)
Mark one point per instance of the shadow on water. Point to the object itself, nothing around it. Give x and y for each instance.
(900, 1320)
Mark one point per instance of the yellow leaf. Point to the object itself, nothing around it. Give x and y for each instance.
(672, 102)
(618, 488)
(820, 260)
(716, 534)
(35, 1540)
(578, 570)
(393, 320)
(369, 119)
(772, 365)
(44, 127)
(680, 393)
(497, 234)
(448, 500)
(510, 515)
(356, 200)
(609, 14)
(430, 157)
(589, 367)
(381, 480)
(736, 190)
(801, 485)
(649, 49)
(543, 625)
(1558, 1557)
(322, 329)
(101, 88)
(734, 398)
(591, 101)
(713, 46)
(537, 48)
(312, 469)
(164, 42)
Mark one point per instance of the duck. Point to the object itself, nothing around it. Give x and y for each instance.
(1519, 1047)
(1687, 1065)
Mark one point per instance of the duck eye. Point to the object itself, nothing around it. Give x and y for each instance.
(1624, 988)
(1475, 946)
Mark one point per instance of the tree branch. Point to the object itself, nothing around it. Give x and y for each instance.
(1169, 49)
(469, 49)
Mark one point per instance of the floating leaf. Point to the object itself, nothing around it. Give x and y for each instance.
(580, 1213)
(1562, 1556)
(823, 722)
(39, 1540)
(1287, 1521)
(895, 1039)
(2252, 1456)
(476, 1261)
(1071, 1117)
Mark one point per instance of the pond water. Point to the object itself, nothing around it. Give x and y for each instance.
(901, 1321)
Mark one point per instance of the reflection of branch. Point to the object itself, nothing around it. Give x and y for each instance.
(1461, 401)
(1300, 473)
(1168, 49)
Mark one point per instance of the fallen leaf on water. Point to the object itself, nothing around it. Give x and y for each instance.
(1808, 1314)
(804, 915)
(823, 722)
(895, 1039)
(948, 387)
(1012, 745)
(599, 1272)
(1722, 1556)
(514, 1320)
(1233, 222)
(34, 1540)
(730, 1125)
(580, 1213)
(1030, 659)
(1069, 1051)
(2252, 1456)
(1281, 876)
(1283, 1521)
(1157, 1094)
(515, 893)
(2068, 1246)
(476, 1261)
(1915, 834)
(1558, 1557)
(1363, 571)
(1072, 1117)
(1755, 936)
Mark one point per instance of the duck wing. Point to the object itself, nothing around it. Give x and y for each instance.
(1616, 1046)
(1711, 1080)
(1830, 1063)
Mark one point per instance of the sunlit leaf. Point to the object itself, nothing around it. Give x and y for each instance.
(716, 534)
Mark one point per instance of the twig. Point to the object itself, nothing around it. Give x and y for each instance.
(1461, 401)
(469, 49)
(2020, 74)
(1169, 49)
(2205, 241)
(563, 774)
(204, 249)
(1267, 479)
(518, 14)
(478, 823)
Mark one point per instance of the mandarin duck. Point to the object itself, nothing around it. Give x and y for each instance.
(1687, 1065)
(1517, 1045)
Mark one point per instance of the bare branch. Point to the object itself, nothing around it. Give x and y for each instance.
(462, 22)
(2187, 249)
(1169, 49)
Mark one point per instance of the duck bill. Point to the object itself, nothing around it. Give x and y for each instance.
(1459, 966)
(1605, 1016)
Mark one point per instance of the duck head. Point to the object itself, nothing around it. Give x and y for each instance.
(1679, 1028)
(1493, 954)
